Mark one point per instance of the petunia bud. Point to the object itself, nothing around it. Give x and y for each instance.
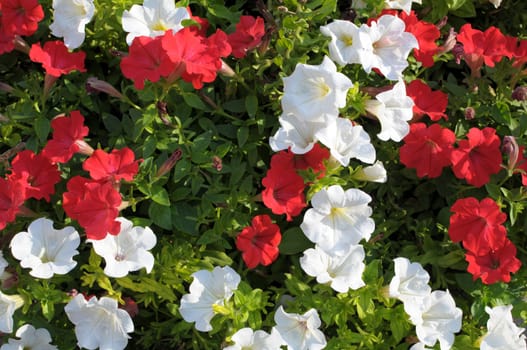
(226, 70)
(510, 147)
(458, 52)
(130, 306)
(169, 163)
(217, 163)
(6, 87)
(450, 44)
(470, 113)
(94, 84)
(520, 93)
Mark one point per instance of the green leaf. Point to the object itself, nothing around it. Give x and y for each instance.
(160, 195)
(42, 127)
(160, 215)
(294, 241)
(242, 135)
(194, 101)
(251, 103)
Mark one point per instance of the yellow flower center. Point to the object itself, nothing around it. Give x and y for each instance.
(347, 40)
(160, 25)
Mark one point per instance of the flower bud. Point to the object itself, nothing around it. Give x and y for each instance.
(169, 163)
(470, 113)
(226, 70)
(6, 87)
(510, 147)
(458, 52)
(520, 93)
(217, 163)
(94, 84)
(130, 306)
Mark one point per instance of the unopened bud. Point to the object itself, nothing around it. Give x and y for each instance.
(96, 85)
(458, 52)
(130, 306)
(21, 45)
(226, 70)
(6, 87)
(510, 147)
(84, 148)
(520, 93)
(9, 278)
(217, 163)
(450, 44)
(470, 113)
(169, 163)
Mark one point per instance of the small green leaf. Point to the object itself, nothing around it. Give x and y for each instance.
(160, 215)
(160, 195)
(251, 103)
(42, 127)
(242, 135)
(294, 241)
(194, 101)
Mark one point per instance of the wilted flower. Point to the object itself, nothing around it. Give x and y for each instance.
(45, 250)
(300, 332)
(30, 338)
(208, 289)
(128, 250)
(99, 323)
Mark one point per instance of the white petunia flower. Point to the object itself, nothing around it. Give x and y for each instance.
(344, 272)
(435, 317)
(69, 19)
(346, 141)
(99, 323)
(44, 250)
(349, 43)
(3, 263)
(126, 251)
(300, 332)
(393, 108)
(247, 339)
(405, 5)
(30, 339)
(338, 219)
(502, 332)
(208, 288)
(312, 91)
(153, 19)
(295, 133)
(419, 346)
(373, 173)
(496, 3)
(8, 306)
(410, 283)
(391, 46)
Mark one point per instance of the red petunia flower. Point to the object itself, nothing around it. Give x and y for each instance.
(284, 190)
(259, 242)
(520, 54)
(56, 58)
(197, 59)
(494, 266)
(477, 158)
(95, 205)
(480, 48)
(21, 17)
(477, 224)
(426, 34)
(426, 101)
(314, 159)
(427, 150)
(12, 197)
(39, 172)
(114, 167)
(7, 40)
(248, 35)
(68, 135)
(146, 60)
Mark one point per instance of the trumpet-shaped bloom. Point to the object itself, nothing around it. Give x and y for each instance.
(502, 332)
(246, 339)
(68, 138)
(300, 332)
(45, 250)
(152, 19)
(21, 17)
(349, 43)
(56, 59)
(248, 34)
(346, 140)
(30, 338)
(410, 282)
(405, 5)
(114, 167)
(338, 219)
(99, 323)
(128, 250)
(478, 157)
(295, 133)
(69, 19)
(312, 91)
(426, 101)
(494, 266)
(259, 242)
(8, 305)
(393, 108)
(12, 197)
(38, 171)
(436, 318)
(391, 45)
(209, 288)
(373, 173)
(343, 272)
(427, 149)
